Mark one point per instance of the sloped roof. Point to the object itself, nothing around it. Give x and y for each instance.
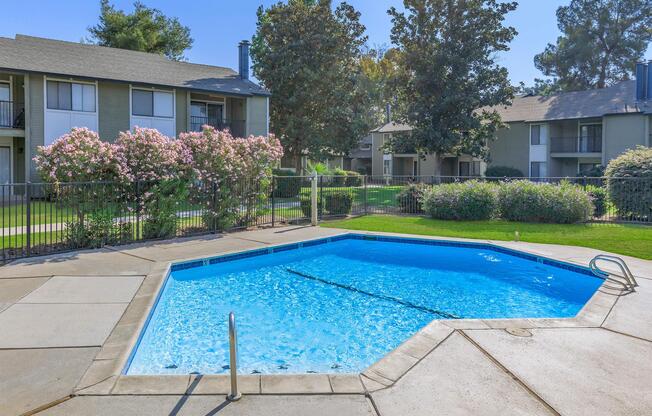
(392, 128)
(40, 55)
(617, 99)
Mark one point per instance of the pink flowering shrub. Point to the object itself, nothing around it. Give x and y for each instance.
(146, 155)
(232, 171)
(79, 156)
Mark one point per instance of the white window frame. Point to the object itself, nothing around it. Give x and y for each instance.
(72, 80)
(153, 89)
(215, 101)
(541, 142)
(540, 163)
(10, 82)
(69, 81)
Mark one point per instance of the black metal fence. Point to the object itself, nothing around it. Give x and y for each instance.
(40, 218)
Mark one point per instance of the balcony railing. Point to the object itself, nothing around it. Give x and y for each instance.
(12, 115)
(576, 145)
(237, 127)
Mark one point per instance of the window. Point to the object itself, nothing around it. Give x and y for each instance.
(387, 168)
(70, 96)
(470, 168)
(588, 167)
(591, 138)
(152, 103)
(538, 169)
(535, 135)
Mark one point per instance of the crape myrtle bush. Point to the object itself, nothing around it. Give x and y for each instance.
(153, 174)
(629, 183)
(471, 200)
(543, 202)
(409, 199)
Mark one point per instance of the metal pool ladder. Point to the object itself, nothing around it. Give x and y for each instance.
(233, 359)
(625, 280)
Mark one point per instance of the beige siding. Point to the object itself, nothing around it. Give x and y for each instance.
(622, 132)
(376, 154)
(113, 106)
(256, 116)
(511, 147)
(35, 116)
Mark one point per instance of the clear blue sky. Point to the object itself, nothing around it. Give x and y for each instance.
(218, 25)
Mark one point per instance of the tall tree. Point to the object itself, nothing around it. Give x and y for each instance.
(146, 30)
(449, 79)
(307, 55)
(379, 67)
(601, 42)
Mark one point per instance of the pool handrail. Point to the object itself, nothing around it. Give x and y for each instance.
(630, 281)
(233, 355)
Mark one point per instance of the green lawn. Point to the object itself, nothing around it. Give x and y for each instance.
(627, 239)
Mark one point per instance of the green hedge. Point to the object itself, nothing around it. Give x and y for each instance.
(353, 178)
(503, 172)
(629, 183)
(542, 202)
(338, 202)
(471, 200)
(598, 195)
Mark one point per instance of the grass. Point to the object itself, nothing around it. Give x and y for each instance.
(627, 239)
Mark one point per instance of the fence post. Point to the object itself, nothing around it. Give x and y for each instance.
(28, 219)
(213, 214)
(273, 202)
(313, 199)
(364, 183)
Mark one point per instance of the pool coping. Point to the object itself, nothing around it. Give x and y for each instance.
(105, 374)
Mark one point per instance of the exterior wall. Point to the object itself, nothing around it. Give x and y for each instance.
(376, 154)
(511, 147)
(181, 112)
(428, 165)
(256, 116)
(34, 107)
(113, 106)
(623, 132)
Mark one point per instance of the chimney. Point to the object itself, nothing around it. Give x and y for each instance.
(642, 81)
(388, 113)
(648, 95)
(243, 59)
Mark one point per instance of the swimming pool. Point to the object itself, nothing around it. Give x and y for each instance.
(340, 304)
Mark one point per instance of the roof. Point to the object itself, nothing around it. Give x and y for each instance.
(617, 99)
(48, 56)
(392, 127)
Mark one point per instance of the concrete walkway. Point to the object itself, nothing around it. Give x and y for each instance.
(65, 320)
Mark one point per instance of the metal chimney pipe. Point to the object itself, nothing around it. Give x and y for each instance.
(648, 92)
(388, 113)
(642, 76)
(243, 59)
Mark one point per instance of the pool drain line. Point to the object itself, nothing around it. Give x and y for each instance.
(389, 298)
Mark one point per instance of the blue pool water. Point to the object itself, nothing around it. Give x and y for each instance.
(340, 306)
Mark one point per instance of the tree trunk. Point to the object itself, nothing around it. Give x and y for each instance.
(297, 162)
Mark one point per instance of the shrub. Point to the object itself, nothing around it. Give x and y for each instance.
(97, 230)
(594, 172)
(471, 200)
(287, 184)
(409, 199)
(503, 172)
(146, 155)
(542, 202)
(629, 183)
(598, 196)
(353, 179)
(338, 202)
(305, 206)
(339, 177)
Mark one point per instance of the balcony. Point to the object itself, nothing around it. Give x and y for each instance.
(576, 145)
(237, 127)
(12, 115)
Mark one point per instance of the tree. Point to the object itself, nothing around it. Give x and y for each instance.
(449, 79)
(602, 41)
(543, 87)
(146, 30)
(379, 67)
(307, 56)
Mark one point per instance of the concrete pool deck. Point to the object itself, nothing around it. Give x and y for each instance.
(68, 321)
